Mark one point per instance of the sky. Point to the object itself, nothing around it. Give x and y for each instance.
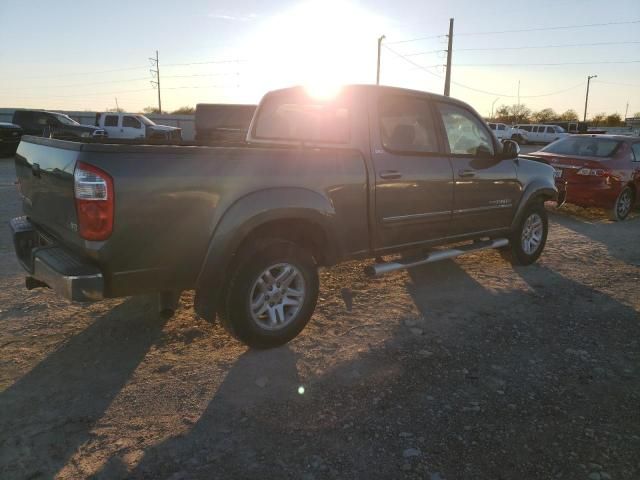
(71, 55)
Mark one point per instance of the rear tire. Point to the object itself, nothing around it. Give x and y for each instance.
(529, 238)
(623, 205)
(271, 295)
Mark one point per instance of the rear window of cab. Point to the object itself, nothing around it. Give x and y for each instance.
(584, 147)
(281, 117)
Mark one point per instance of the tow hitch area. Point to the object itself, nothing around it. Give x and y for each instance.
(378, 269)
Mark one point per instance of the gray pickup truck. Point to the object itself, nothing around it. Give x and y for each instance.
(370, 172)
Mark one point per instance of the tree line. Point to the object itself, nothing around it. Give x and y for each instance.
(523, 114)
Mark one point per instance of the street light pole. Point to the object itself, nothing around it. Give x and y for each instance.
(586, 99)
(492, 105)
(379, 53)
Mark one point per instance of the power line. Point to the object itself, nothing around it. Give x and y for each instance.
(560, 27)
(84, 84)
(85, 73)
(95, 94)
(204, 63)
(606, 62)
(415, 39)
(201, 75)
(421, 67)
(637, 85)
(478, 90)
(527, 47)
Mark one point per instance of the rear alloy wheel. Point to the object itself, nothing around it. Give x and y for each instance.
(271, 295)
(530, 236)
(623, 205)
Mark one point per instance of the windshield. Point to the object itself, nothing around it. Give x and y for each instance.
(145, 120)
(65, 120)
(559, 129)
(583, 146)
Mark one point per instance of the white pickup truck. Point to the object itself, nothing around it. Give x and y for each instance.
(503, 131)
(135, 126)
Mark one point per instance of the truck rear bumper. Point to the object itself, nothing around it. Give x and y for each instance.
(54, 266)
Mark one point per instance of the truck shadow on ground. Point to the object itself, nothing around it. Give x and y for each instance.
(493, 365)
(48, 413)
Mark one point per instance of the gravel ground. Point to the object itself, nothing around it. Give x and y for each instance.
(466, 369)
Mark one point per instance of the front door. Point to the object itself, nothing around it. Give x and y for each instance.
(131, 127)
(486, 190)
(413, 175)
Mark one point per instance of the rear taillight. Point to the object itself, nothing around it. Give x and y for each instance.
(594, 172)
(93, 191)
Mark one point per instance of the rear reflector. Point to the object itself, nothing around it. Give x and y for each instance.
(93, 191)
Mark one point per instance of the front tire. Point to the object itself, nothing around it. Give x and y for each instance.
(271, 295)
(622, 206)
(529, 238)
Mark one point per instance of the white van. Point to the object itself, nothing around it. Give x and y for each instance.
(538, 133)
(503, 131)
(135, 126)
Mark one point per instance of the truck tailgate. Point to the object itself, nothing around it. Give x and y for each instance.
(44, 168)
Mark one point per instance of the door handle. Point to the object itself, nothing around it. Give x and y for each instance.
(466, 173)
(390, 174)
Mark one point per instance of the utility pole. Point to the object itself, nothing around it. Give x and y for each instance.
(117, 107)
(518, 110)
(492, 105)
(626, 111)
(447, 78)
(586, 99)
(379, 54)
(155, 72)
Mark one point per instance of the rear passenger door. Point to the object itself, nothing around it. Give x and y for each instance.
(486, 189)
(413, 175)
(111, 126)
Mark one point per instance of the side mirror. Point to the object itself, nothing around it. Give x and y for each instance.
(510, 150)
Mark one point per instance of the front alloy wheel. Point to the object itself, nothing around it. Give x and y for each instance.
(529, 237)
(277, 296)
(532, 232)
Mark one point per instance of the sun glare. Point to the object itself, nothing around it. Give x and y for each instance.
(319, 44)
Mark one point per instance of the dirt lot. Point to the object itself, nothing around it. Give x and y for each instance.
(467, 369)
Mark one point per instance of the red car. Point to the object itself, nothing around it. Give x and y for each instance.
(596, 171)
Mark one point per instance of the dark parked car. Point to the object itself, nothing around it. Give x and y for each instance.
(10, 135)
(54, 125)
(372, 171)
(597, 171)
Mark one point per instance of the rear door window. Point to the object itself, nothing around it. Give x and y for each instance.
(406, 125)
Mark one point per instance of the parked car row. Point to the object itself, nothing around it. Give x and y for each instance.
(122, 127)
(528, 133)
(596, 171)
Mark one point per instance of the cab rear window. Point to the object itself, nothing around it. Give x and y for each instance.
(584, 146)
(280, 118)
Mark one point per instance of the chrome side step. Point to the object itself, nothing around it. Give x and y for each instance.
(387, 267)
